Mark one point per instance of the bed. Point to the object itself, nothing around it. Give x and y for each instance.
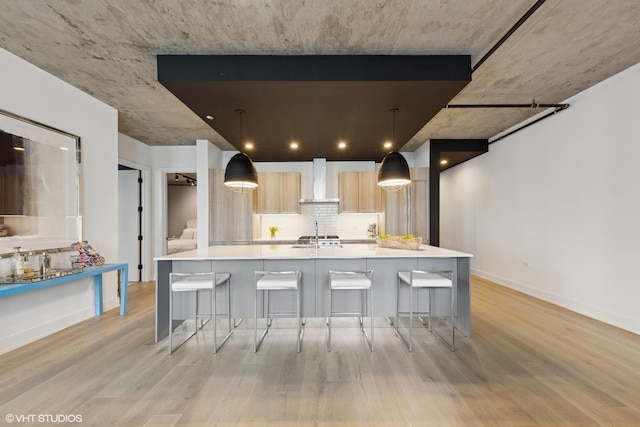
(186, 241)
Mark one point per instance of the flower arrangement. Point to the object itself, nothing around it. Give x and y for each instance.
(273, 229)
(87, 256)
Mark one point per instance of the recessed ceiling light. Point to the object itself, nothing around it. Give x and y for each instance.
(208, 117)
(248, 145)
(293, 145)
(18, 148)
(388, 144)
(342, 145)
(444, 161)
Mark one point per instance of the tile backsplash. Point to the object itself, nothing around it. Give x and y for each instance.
(330, 221)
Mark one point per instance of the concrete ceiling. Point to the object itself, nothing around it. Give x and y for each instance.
(108, 49)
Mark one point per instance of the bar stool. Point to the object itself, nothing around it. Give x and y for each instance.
(277, 281)
(430, 280)
(352, 280)
(197, 282)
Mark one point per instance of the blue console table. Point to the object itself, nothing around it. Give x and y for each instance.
(95, 272)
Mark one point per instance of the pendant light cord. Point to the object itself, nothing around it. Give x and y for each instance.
(241, 111)
(394, 111)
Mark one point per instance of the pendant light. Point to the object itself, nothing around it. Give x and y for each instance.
(394, 171)
(240, 175)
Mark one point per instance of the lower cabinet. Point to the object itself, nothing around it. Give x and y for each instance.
(230, 219)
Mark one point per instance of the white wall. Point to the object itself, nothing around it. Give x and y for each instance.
(553, 210)
(30, 92)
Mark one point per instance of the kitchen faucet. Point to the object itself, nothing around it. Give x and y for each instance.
(316, 234)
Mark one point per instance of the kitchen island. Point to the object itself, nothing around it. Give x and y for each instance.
(242, 260)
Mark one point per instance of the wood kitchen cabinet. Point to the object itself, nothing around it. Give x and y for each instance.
(359, 192)
(414, 210)
(230, 219)
(277, 193)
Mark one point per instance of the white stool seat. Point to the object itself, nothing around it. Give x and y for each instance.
(274, 281)
(425, 279)
(352, 281)
(199, 282)
(348, 280)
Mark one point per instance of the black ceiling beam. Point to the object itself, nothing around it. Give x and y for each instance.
(436, 148)
(315, 100)
(320, 68)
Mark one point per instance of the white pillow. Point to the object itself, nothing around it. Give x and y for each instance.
(188, 234)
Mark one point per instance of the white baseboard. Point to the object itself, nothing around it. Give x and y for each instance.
(581, 307)
(30, 335)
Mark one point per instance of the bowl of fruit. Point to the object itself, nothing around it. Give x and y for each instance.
(408, 241)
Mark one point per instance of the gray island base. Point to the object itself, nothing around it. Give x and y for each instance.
(242, 260)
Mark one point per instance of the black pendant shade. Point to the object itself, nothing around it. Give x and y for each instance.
(240, 175)
(394, 172)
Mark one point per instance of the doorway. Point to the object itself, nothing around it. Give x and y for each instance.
(182, 208)
(130, 218)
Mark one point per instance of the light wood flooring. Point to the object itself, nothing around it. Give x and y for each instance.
(528, 363)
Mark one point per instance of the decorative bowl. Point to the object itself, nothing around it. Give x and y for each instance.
(399, 243)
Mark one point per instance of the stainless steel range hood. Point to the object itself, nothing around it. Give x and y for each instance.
(319, 183)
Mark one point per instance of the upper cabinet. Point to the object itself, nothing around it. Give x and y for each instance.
(277, 193)
(409, 206)
(360, 192)
(230, 214)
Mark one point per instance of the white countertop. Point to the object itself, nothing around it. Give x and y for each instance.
(288, 252)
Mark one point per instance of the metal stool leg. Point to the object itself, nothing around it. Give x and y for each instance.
(431, 280)
(364, 308)
(410, 318)
(288, 285)
(298, 318)
(215, 316)
(452, 344)
(329, 319)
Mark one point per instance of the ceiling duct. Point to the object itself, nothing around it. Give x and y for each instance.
(319, 183)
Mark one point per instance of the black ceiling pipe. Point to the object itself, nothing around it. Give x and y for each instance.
(436, 147)
(560, 107)
(508, 34)
(532, 105)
